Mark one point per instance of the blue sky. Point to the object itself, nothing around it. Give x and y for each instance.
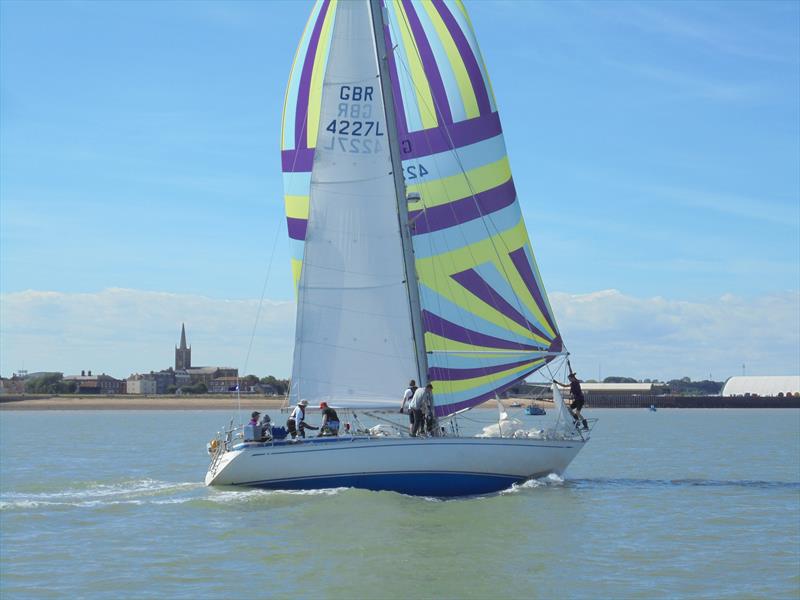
(655, 148)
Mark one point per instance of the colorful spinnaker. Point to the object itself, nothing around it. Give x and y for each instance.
(486, 316)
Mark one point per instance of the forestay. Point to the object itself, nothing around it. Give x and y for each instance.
(354, 342)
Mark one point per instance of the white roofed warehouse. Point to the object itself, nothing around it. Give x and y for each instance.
(755, 385)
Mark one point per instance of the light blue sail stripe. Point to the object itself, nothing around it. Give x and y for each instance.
(489, 272)
(443, 63)
(297, 184)
(431, 244)
(409, 96)
(473, 44)
(294, 81)
(445, 399)
(446, 309)
(464, 159)
(473, 361)
(296, 248)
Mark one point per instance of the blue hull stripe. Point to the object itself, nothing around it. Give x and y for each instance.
(348, 444)
(436, 484)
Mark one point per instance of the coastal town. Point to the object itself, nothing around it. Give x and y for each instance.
(185, 379)
(182, 378)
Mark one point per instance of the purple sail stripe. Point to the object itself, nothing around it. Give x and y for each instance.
(465, 209)
(429, 65)
(394, 76)
(301, 113)
(520, 260)
(447, 329)
(448, 374)
(470, 62)
(417, 144)
(449, 409)
(477, 285)
(557, 345)
(297, 228)
(297, 161)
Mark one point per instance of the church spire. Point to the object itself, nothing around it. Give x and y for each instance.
(183, 354)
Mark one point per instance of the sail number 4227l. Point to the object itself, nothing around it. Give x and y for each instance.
(353, 120)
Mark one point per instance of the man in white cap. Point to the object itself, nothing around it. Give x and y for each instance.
(296, 422)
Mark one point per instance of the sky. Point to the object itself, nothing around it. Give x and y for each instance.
(655, 148)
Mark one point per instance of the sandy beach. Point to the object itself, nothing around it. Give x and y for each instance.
(125, 402)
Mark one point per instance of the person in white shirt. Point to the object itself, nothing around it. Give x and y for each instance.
(407, 396)
(296, 423)
(420, 407)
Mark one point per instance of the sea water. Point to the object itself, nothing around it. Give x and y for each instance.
(678, 503)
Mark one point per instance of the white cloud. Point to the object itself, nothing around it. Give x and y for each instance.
(121, 331)
(616, 334)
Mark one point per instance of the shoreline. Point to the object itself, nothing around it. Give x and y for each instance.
(32, 402)
(125, 402)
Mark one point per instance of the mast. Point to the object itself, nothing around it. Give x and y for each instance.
(379, 23)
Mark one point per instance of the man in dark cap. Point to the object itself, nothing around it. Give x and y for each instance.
(578, 400)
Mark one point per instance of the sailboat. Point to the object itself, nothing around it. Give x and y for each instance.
(411, 261)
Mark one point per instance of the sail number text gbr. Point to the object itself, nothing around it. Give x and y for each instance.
(353, 131)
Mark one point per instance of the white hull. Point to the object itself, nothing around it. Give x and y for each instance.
(417, 466)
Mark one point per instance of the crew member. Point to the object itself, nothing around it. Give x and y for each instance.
(330, 420)
(578, 400)
(420, 406)
(296, 422)
(407, 396)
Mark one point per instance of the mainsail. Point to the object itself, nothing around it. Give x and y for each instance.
(487, 319)
(354, 342)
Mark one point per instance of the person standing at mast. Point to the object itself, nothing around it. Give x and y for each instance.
(421, 405)
(407, 396)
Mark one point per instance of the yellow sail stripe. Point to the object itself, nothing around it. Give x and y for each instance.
(423, 94)
(437, 343)
(296, 206)
(460, 385)
(462, 185)
(289, 83)
(315, 92)
(456, 62)
(297, 266)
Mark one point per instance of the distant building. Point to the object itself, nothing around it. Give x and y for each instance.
(185, 374)
(753, 385)
(12, 385)
(183, 355)
(207, 375)
(620, 389)
(86, 383)
(141, 384)
(226, 384)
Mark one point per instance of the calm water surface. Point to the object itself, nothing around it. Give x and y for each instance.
(689, 503)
